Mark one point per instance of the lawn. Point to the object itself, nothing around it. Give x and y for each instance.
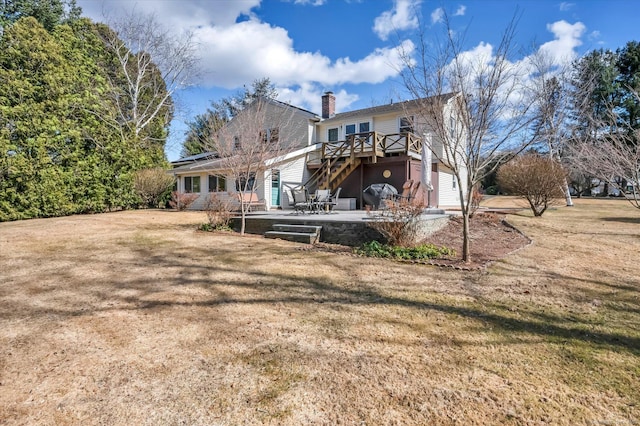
(137, 318)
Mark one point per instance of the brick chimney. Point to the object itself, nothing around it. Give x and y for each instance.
(328, 105)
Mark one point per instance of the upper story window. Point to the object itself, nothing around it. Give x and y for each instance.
(217, 183)
(192, 184)
(349, 129)
(236, 143)
(274, 134)
(271, 135)
(333, 135)
(452, 127)
(406, 124)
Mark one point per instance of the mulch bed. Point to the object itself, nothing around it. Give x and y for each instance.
(492, 238)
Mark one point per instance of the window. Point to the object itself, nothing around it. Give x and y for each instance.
(406, 124)
(244, 184)
(274, 135)
(192, 184)
(333, 134)
(236, 143)
(271, 135)
(452, 127)
(363, 127)
(454, 182)
(217, 183)
(349, 129)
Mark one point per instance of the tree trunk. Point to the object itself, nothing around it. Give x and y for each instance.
(243, 217)
(567, 194)
(466, 240)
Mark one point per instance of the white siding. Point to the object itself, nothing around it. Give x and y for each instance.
(293, 173)
(447, 194)
(386, 124)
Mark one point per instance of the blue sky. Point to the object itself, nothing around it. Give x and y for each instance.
(307, 47)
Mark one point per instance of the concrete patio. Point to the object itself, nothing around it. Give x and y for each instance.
(348, 227)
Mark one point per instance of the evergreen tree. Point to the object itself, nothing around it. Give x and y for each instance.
(628, 66)
(62, 148)
(49, 13)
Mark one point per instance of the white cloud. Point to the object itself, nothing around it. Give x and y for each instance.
(567, 38)
(401, 17)
(174, 14)
(566, 6)
(253, 49)
(309, 96)
(595, 36)
(311, 2)
(235, 53)
(480, 57)
(437, 15)
(521, 73)
(460, 11)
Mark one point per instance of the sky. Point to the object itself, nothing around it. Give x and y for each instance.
(350, 47)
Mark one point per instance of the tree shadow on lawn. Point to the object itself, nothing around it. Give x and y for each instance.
(505, 268)
(302, 291)
(622, 219)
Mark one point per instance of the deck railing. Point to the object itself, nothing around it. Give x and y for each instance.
(367, 144)
(372, 144)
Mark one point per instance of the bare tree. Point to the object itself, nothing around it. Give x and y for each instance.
(486, 120)
(612, 154)
(552, 109)
(580, 180)
(257, 139)
(604, 142)
(535, 178)
(153, 63)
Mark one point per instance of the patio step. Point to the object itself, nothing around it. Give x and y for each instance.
(307, 234)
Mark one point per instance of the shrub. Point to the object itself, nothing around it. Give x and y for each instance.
(181, 201)
(219, 212)
(537, 179)
(492, 190)
(476, 198)
(205, 227)
(422, 251)
(397, 223)
(152, 184)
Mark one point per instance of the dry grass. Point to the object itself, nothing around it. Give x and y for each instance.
(136, 318)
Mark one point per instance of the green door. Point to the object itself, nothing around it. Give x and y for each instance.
(275, 188)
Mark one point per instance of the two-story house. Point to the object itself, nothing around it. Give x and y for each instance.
(350, 150)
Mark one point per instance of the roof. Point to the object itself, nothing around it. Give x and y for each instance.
(195, 157)
(214, 164)
(311, 115)
(388, 108)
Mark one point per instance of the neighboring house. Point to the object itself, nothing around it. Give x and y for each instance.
(351, 150)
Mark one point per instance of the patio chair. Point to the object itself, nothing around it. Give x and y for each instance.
(407, 193)
(323, 197)
(300, 201)
(333, 200)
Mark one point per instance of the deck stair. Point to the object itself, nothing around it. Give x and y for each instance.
(340, 170)
(309, 234)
